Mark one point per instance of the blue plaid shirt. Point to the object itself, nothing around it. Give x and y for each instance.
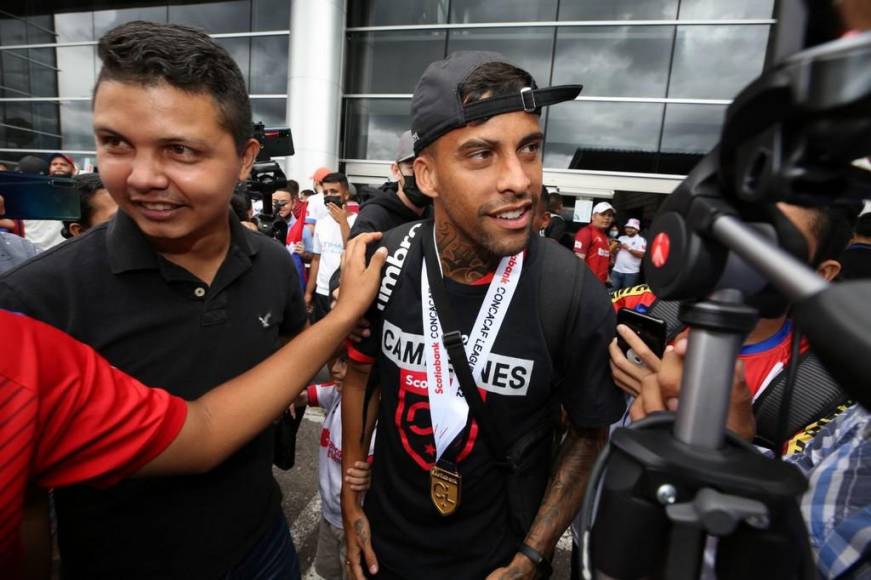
(837, 505)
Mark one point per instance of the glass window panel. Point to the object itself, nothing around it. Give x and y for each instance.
(12, 31)
(106, 20)
(617, 9)
(272, 112)
(240, 50)
(46, 118)
(74, 26)
(269, 64)
(464, 11)
(373, 127)
(39, 29)
(18, 134)
(76, 72)
(393, 12)
(16, 78)
(214, 17)
(715, 62)
(691, 128)
(703, 9)
(271, 15)
(43, 76)
(600, 127)
(529, 48)
(614, 61)
(390, 62)
(77, 125)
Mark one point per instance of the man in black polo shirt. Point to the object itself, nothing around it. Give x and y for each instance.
(396, 202)
(176, 293)
(442, 502)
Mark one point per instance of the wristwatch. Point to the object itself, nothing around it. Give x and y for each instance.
(542, 564)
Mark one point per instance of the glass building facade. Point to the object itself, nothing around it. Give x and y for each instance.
(657, 74)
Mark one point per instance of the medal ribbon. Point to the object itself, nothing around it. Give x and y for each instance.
(448, 409)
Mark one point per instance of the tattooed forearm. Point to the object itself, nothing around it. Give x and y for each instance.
(462, 260)
(362, 531)
(566, 487)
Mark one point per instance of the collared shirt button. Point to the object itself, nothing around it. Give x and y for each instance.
(200, 292)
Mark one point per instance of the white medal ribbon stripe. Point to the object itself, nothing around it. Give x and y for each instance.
(448, 408)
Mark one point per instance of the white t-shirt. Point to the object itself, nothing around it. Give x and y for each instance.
(330, 454)
(626, 263)
(328, 244)
(44, 234)
(316, 208)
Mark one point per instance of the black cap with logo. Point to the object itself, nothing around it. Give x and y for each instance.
(437, 106)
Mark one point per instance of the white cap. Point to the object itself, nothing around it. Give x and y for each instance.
(633, 223)
(602, 207)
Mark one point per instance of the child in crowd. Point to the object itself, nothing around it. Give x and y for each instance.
(330, 556)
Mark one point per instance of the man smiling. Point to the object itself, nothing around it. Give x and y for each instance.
(176, 293)
(456, 485)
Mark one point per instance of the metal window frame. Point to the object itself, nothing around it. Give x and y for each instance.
(26, 130)
(94, 42)
(566, 24)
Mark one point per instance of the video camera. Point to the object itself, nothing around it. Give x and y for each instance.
(267, 177)
(671, 482)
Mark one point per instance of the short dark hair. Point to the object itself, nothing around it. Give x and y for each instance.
(336, 177)
(554, 203)
(240, 203)
(292, 187)
(148, 53)
(87, 184)
(863, 225)
(833, 227)
(307, 192)
(494, 79)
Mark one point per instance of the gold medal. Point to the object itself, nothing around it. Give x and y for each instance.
(444, 489)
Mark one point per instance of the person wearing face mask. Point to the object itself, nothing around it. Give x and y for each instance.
(396, 202)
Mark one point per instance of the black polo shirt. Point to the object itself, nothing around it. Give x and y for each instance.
(161, 324)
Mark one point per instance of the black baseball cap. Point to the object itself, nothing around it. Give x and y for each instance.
(437, 106)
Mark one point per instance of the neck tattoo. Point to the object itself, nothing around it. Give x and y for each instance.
(462, 260)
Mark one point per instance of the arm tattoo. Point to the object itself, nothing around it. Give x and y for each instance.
(462, 260)
(362, 531)
(566, 487)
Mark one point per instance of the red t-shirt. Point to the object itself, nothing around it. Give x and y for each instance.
(592, 242)
(67, 416)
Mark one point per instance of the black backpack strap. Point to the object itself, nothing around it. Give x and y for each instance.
(669, 312)
(815, 395)
(453, 341)
(557, 263)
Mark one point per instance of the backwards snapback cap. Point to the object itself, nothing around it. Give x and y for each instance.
(437, 105)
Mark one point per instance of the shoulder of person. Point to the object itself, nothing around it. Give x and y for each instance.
(71, 257)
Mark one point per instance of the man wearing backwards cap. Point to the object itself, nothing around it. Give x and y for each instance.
(591, 242)
(443, 502)
(627, 267)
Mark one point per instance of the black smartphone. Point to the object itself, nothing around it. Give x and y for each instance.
(650, 329)
(39, 197)
(333, 199)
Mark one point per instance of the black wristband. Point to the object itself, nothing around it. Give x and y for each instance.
(542, 564)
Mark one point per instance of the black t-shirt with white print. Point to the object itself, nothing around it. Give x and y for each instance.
(410, 537)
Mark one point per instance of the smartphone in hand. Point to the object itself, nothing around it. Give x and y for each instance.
(651, 331)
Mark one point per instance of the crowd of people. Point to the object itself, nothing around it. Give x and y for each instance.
(469, 335)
